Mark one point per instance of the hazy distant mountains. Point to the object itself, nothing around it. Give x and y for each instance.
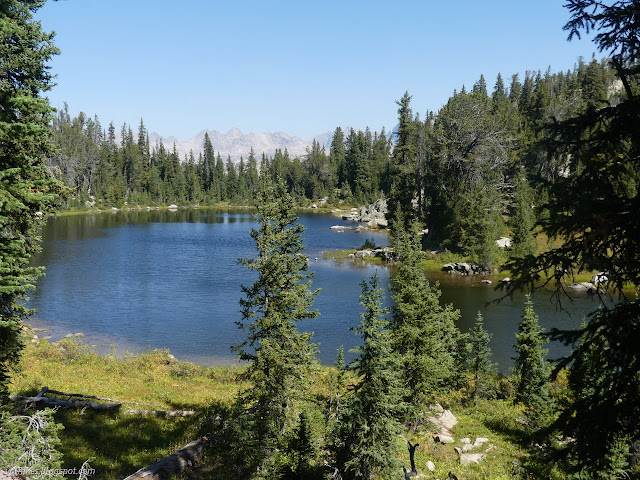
(237, 144)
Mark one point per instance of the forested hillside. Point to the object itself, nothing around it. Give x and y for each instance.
(469, 172)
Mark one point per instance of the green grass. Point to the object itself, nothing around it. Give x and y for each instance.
(117, 444)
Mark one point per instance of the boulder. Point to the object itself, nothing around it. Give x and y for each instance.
(503, 242)
(447, 419)
(467, 447)
(465, 440)
(173, 206)
(487, 282)
(599, 278)
(429, 466)
(505, 280)
(582, 287)
(471, 458)
(443, 438)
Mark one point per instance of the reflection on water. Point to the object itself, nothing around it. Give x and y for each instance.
(163, 279)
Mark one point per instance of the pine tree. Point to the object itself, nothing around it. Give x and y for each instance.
(279, 355)
(522, 219)
(531, 368)
(424, 333)
(480, 362)
(368, 424)
(25, 186)
(592, 209)
(402, 188)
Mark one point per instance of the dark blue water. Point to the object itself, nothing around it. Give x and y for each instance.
(140, 280)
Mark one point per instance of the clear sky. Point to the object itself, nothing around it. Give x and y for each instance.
(300, 67)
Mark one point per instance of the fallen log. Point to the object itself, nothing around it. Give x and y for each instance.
(175, 463)
(93, 397)
(55, 402)
(162, 413)
(40, 399)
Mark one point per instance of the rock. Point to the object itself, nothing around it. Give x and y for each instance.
(447, 419)
(115, 209)
(465, 440)
(437, 408)
(68, 335)
(458, 450)
(467, 447)
(471, 458)
(582, 287)
(79, 335)
(442, 438)
(599, 278)
(314, 206)
(39, 214)
(503, 242)
(487, 282)
(89, 204)
(481, 440)
(173, 206)
(429, 466)
(382, 222)
(463, 268)
(505, 280)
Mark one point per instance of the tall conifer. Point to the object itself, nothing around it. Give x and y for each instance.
(368, 424)
(279, 355)
(25, 185)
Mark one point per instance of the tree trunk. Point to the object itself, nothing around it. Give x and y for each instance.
(175, 463)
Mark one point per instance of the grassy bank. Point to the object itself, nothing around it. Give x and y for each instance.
(117, 444)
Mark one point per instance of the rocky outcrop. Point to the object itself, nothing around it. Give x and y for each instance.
(387, 254)
(374, 215)
(462, 268)
(503, 242)
(587, 287)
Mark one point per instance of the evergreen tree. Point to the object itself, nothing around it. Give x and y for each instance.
(522, 219)
(531, 368)
(25, 186)
(592, 209)
(368, 424)
(403, 175)
(480, 362)
(424, 333)
(279, 355)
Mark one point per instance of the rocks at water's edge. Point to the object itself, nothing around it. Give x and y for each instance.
(462, 268)
(374, 215)
(385, 253)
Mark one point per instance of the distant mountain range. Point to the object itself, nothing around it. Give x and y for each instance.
(237, 144)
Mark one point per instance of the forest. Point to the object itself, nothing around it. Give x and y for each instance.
(554, 154)
(468, 172)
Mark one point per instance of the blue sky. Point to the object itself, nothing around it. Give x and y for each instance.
(294, 66)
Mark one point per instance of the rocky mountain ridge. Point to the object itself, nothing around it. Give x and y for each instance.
(235, 143)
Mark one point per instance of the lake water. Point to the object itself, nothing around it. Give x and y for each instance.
(139, 280)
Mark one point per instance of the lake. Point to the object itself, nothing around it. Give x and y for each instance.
(131, 281)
